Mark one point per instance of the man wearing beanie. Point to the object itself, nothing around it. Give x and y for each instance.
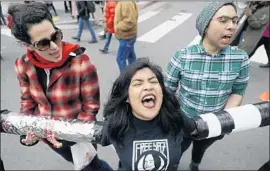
(212, 75)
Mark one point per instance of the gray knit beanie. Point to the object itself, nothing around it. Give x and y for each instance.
(208, 13)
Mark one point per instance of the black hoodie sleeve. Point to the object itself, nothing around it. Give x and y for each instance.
(189, 125)
(105, 140)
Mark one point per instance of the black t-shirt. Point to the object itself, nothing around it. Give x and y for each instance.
(146, 147)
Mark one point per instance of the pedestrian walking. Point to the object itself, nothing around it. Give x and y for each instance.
(84, 10)
(74, 12)
(68, 6)
(3, 20)
(102, 4)
(126, 28)
(109, 19)
(51, 6)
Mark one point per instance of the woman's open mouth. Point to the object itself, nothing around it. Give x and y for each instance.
(149, 101)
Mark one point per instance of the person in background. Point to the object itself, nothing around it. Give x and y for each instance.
(68, 6)
(242, 22)
(265, 40)
(257, 31)
(212, 75)
(9, 19)
(126, 28)
(51, 6)
(84, 10)
(102, 4)
(74, 9)
(3, 20)
(57, 79)
(109, 18)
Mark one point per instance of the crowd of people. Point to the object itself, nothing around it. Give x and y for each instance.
(145, 108)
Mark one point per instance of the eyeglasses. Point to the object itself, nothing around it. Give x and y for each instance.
(226, 19)
(45, 44)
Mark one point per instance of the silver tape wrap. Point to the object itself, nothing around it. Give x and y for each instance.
(63, 129)
(232, 120)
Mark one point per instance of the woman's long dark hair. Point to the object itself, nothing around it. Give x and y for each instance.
(118, 111)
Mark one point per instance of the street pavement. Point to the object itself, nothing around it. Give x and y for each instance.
(246, 150)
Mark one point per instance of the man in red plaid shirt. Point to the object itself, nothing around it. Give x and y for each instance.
(56, 78)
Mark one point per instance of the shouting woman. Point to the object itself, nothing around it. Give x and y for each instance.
(143, 120)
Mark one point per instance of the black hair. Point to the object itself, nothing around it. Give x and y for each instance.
(119, 113)
(25, 15)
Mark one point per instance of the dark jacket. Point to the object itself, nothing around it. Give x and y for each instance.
(84, 9)
(255, 28)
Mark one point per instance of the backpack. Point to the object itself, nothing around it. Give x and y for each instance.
(90, 6)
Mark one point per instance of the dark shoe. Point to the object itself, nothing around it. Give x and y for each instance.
(92, 41)
(193, 168)
(102, 37)
(75, 38)
(103, 51)
(265, 65)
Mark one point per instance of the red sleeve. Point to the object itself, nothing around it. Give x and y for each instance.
(89, 90)
(9, 19)
(28, 105)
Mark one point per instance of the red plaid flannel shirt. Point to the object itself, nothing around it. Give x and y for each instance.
(72, 93)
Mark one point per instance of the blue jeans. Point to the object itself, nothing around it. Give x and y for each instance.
(3, 18)
(89, 26)
(95, 165)
(108, 41)
(125, 52)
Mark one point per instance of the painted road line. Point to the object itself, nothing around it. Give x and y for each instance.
(259, 56)
(161, 30)
(6, 31)
(196, 40)
(148, 15)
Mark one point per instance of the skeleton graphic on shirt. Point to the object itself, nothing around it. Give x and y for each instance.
(150, 155)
